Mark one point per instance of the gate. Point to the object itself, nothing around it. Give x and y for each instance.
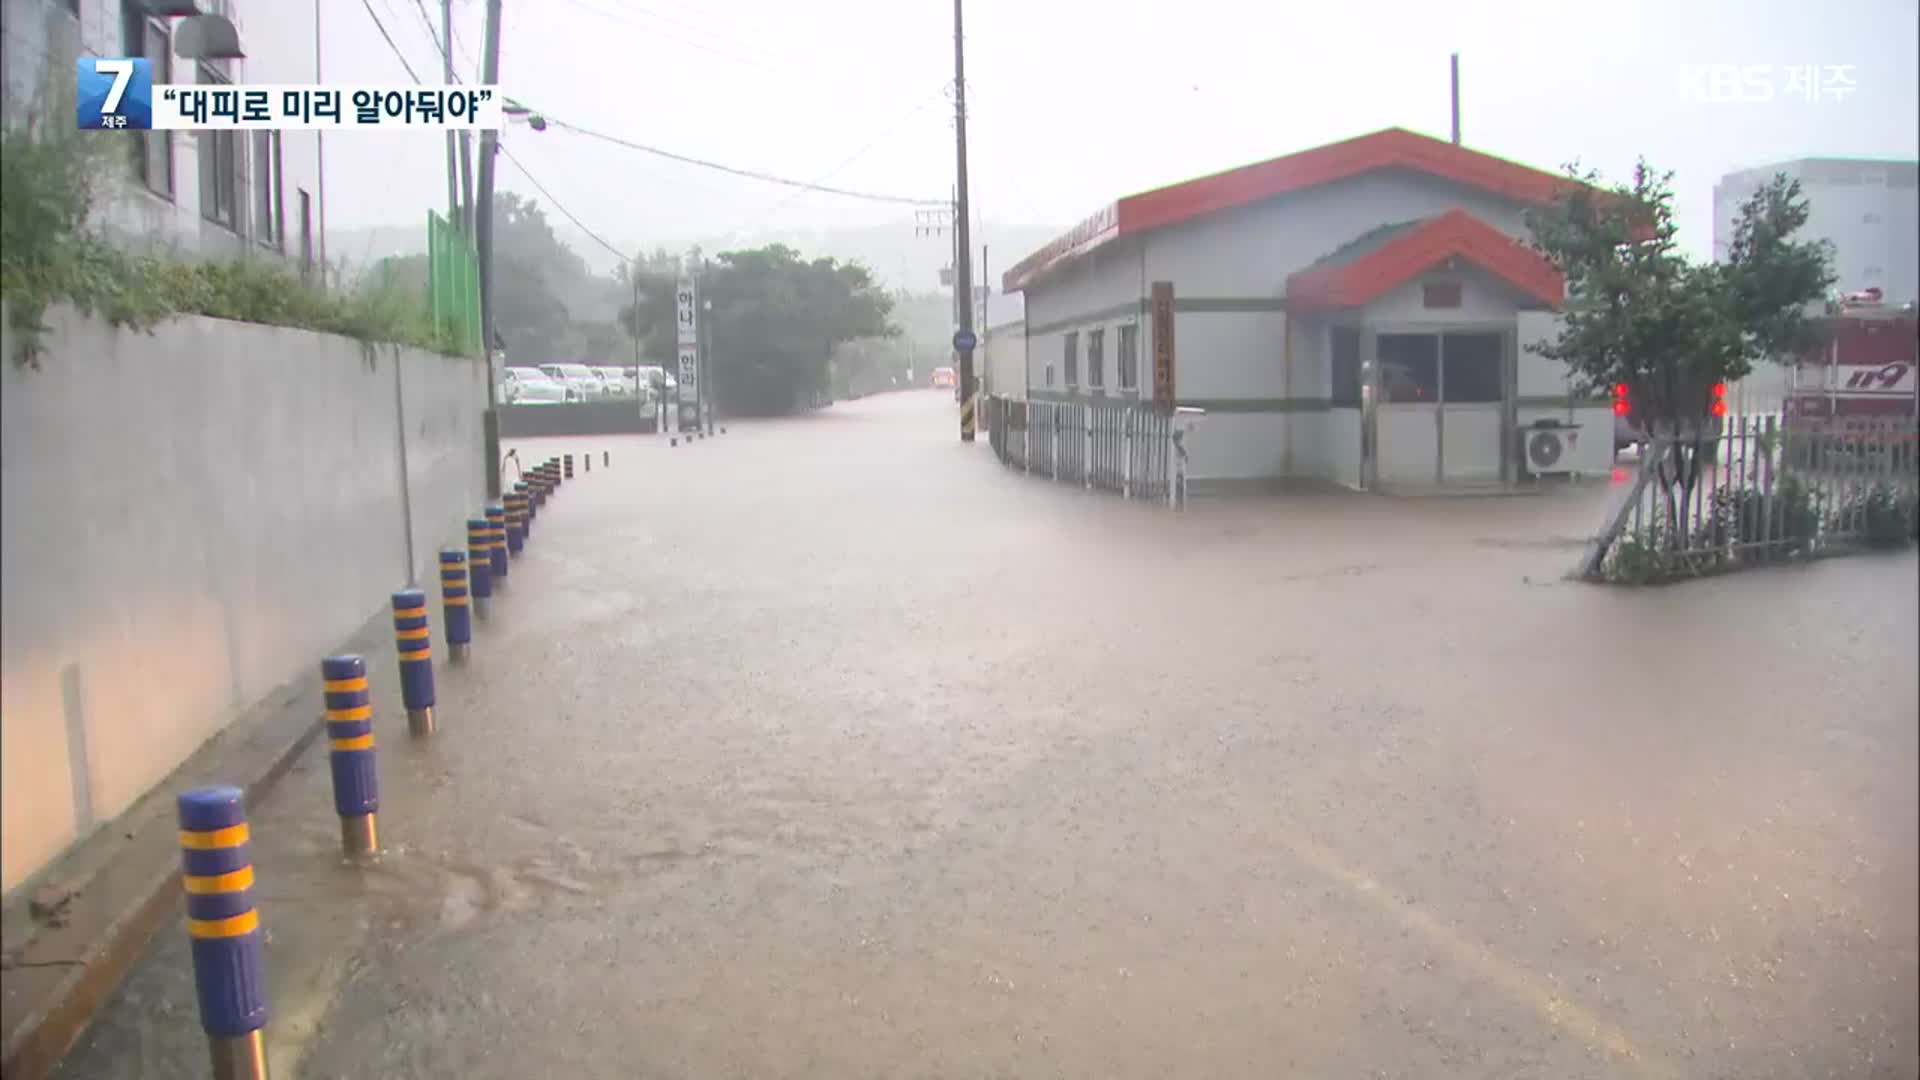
(1121, 447)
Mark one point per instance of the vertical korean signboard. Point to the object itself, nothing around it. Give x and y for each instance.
(686, 321)
(1163, 390)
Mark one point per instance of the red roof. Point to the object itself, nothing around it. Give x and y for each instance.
(1413, 251)
(1394, 148)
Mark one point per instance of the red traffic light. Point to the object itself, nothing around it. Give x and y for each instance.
(1620, 408)
(1620, 390)
(1719, 407)
(1719, 389)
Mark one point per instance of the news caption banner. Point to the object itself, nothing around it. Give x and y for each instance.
(115, 94)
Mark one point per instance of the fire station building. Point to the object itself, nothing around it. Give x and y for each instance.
(1357, 313)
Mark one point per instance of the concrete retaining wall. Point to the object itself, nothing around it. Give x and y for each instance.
(621, 416)
(192, 518)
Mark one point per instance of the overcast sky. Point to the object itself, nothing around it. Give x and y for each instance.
(1074, 103)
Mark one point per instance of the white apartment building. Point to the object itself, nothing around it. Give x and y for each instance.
(207, 193)
(1868, 210)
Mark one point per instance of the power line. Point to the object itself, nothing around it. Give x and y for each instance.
(788, 68)
(853, 157)
(750, 174)
(560, 206)
(524, 171)
(375, 16)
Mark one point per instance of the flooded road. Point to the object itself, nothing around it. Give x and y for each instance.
(830, 748)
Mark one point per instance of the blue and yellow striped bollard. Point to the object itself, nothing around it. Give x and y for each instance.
(356, 785)
(516, 522)
(586, 461)
(413, 633)
(229, 962)
(524, 491)
(480, 563)
(497, 541)
(453, 604)
(568, 459)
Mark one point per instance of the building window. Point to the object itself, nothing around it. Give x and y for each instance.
(1096, 358)
(1409, 368)
(269, 214)
(220, 165)
(1049, 376)
(1346, 367)
(152, 150)
(306, 235)
(1126, 357)
(1870, 219)
(1072, 359)
(1440, 294)
(1470, 368)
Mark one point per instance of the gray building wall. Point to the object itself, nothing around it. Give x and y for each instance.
(43, 40)
(1868, 210)
(192, 518)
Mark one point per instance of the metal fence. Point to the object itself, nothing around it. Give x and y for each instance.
(1758, 491)
(453, 284)
(1126, 448)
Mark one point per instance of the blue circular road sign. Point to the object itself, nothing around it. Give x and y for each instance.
(964, 340)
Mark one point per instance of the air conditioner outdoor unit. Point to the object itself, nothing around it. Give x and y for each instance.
(1546, 449)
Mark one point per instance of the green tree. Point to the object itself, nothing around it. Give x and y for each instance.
(1640, 313)
(773, 326)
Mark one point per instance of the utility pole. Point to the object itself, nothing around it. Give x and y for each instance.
(962, 273)
(483, 243)
(1456, 99)
(454, 217)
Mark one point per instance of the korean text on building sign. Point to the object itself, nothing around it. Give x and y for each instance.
(186, 108)
(1721, 84)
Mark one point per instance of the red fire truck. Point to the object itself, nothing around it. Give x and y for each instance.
(1863, 376)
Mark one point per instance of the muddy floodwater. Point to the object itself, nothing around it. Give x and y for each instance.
(829, 748)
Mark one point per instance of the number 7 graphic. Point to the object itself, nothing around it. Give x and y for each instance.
(122, 72)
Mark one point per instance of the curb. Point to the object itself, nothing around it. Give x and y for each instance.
(119, 886)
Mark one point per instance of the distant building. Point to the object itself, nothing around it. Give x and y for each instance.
(208, 193)
(1357, 313)
(1866, 209)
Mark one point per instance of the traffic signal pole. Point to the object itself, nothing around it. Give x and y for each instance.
(963, 340)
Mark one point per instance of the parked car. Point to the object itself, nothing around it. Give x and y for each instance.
(579, 379)
(531, 386)
(944, 377)
(616, 381)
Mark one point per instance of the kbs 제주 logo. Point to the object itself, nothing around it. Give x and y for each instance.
(114, 93)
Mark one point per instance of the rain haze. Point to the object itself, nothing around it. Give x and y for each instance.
(1328, 603)
(1074, 105)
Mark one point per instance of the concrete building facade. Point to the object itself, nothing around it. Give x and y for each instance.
(196, 193)
(1357, 313)
(1868, 210)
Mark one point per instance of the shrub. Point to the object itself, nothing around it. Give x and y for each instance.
(1639, 557)
(1887, 515)
(50, 254)
(1767, 525)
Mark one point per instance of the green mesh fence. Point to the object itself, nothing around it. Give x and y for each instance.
(453, 283)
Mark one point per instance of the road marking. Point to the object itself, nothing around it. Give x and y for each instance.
(1553, 1006)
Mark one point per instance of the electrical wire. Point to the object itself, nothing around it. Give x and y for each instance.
(750, 174)
(402, 57)
(623, 256)
(761, 219)
(524, 171)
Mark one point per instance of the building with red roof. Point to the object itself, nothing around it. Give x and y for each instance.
(1357, 313)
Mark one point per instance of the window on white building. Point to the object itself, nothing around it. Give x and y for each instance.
(1126, 357)
(1346, 366)
(152, 150)
(1096, 358)
(1071, 361)
(269, 212)
(220, 165)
